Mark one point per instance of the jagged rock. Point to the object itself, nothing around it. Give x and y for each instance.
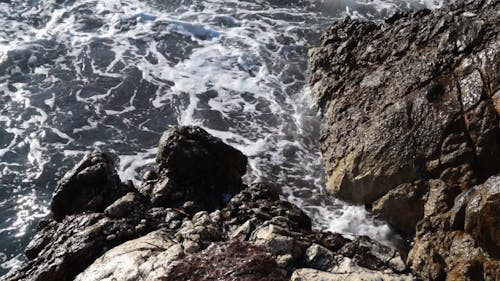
(308, 274)
(197, 166)
(243, 231)
(412, 125)
(408, 197)
(482, 219)
(91, 185)
(60, 250)
(256, 236)
(454, 240)
(408, 99)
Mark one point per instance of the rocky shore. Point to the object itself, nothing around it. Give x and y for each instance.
(192, 219)
(411, 129)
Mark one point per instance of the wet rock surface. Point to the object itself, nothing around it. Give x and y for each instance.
(253, 236)
(412, 129)
(193, 164)
(90, 186)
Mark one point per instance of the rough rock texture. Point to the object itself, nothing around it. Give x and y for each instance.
(254, 236)
(90, 186)
(412, 122)
(60, 250)
(193, 164)
(408, 99)
(408, 197)
(145, 256)
(482, 220)
(462, 242)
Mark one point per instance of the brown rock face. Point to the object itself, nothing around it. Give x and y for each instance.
(408, 99)
(411, 111)
(482, 220)
(407, 197)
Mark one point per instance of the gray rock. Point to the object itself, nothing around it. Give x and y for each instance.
(243, 231)
(482, 218)
(307, 274)
(144, 259)
(269, 236)
(123, 206)
(60, 250)
(319, 257)
(199, 232)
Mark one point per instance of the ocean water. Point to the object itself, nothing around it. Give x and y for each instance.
(77, 76)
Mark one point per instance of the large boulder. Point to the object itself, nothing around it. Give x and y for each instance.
(410, 98)
(411, 109)
(189, 153)
(194, 165)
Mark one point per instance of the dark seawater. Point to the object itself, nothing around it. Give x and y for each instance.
(77, 76)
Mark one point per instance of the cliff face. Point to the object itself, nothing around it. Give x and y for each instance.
(411, 110)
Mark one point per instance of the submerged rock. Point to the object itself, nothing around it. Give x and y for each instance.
(412, 125)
